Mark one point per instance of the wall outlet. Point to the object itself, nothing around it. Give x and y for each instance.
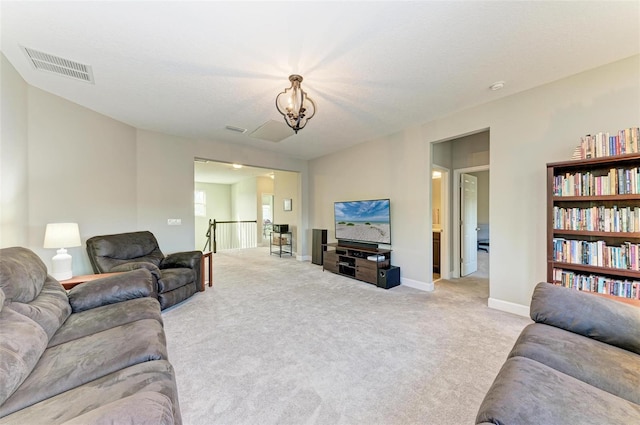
(174, 221)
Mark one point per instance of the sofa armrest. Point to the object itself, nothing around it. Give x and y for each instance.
(135, 265)
(144, 408)
(599, 318)
(189, 259)
(111, 289)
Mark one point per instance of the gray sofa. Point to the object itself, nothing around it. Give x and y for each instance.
(94, 355)
(176, 276)
(579, 363)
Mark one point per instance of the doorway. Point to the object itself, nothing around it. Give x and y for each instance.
(440, 221)
(471, 234)
(466, 153)
(267, 217)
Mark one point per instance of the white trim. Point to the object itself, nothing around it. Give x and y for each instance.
(456, 214)
(416, 284)
(509, 307)
(303, 258)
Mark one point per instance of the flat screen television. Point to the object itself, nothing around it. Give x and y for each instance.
(363, 221)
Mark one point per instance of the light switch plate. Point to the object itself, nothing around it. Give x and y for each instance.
(174, 221)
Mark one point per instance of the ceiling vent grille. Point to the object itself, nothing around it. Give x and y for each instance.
(57, 65)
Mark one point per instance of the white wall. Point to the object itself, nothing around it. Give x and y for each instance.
(218, 208)
(286, 186)
(14, 210)
(264, 186)
(82, 168)
(483, 196)
(527, 130)
(398, 168)
(244, 202)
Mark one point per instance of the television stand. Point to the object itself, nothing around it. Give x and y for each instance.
(366, 263)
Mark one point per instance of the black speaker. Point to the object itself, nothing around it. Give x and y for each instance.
(319, 237)
(388, 278)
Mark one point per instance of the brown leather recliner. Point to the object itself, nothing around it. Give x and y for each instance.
(177, 276)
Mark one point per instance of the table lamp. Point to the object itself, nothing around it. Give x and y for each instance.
(59, 235)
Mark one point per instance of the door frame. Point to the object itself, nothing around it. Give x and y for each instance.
(456, 213)
(445, 236)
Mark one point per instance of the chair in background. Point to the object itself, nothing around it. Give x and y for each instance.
(177, 276)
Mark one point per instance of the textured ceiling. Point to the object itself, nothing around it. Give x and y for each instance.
(223, 173)
(192, 68)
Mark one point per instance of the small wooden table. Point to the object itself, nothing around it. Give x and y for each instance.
(206, 257)
(77, 280)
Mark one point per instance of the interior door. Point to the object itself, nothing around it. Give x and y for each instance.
(468, 224)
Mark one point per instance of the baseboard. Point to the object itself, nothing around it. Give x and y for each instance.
(303, 257)
(509, 307)
(416, 284)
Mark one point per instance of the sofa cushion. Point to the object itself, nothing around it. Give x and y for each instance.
(22, 274)
(144, 408)
(174, 278)
(168, 299)
(22, 342)
(604, 366)
(111, 290)
(587, 314)
(528, 392)
(106, 317)
(82, 360)
(156, 376)
(109, 251)
(49, 309)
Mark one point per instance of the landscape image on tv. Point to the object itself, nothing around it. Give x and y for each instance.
(367, 221)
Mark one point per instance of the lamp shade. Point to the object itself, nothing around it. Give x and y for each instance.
(62, 235)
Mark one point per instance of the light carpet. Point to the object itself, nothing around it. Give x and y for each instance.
(278, 341)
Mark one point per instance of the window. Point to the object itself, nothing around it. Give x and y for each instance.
(200, 203)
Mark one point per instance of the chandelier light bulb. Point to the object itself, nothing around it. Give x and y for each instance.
(294, 105)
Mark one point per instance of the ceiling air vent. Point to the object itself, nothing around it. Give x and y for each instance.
(236, 129)
(57, 65)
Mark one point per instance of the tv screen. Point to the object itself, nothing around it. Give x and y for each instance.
(364, 221)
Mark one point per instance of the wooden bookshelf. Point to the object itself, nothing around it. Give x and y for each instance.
(593, 226)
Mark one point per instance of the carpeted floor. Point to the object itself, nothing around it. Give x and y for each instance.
(278, 341)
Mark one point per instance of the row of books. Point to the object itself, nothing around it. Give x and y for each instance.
(599, 284)
(596, 253)
(605, 144)
(597, 219)
(617, 181)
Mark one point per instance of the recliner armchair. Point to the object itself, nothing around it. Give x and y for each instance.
(176, 276)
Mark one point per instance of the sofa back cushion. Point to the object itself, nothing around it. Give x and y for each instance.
(49, 309)
(30, 291)
(109, 251)
(22, 274)
(599, 318)
(22, 342)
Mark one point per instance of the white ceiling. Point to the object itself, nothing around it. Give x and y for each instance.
(373, 68)
(223, 173)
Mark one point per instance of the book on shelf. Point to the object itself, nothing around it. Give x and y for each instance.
(596, 283)
(604, 144)
(597, 219)
(597, 254)
(616, 181)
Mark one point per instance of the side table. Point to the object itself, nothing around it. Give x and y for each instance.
(208, 258)
(281, 244)
(77, 280)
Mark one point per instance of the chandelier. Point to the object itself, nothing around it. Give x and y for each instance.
(294, 104)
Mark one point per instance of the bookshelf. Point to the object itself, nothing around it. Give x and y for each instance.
(593, 225)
